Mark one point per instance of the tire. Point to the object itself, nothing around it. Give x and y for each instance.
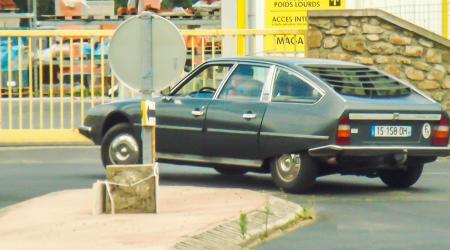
(403, 178)
(120, 146)
(231, 171)
(294, 173)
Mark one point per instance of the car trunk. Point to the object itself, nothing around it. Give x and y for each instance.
(404, 120)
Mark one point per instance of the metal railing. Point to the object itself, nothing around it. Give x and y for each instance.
(50, 78)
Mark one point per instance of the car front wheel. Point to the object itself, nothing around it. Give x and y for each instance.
(403, 178)
(120, 146)
(294, 172)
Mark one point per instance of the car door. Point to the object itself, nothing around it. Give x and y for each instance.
(294, 117)
(234, 117)
(181, 115)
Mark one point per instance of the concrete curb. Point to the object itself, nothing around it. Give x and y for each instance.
(283, 214)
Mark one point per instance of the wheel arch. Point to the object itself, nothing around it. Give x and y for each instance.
(113, 119)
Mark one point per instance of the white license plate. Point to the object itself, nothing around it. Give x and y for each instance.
(391, 131)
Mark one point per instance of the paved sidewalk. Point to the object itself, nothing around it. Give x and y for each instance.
(63, 220)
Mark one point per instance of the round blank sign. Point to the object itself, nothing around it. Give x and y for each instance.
(166, 52)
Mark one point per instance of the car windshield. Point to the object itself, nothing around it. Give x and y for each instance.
(359, 81)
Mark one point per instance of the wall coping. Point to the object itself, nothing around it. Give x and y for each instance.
(384, 16)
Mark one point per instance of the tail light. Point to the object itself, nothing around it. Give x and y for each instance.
(343, 132)
(440, 136)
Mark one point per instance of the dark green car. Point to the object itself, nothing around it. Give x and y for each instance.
(296, 118)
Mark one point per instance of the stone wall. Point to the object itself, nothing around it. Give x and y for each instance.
(378, 39)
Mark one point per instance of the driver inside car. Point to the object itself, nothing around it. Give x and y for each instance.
(236, 86)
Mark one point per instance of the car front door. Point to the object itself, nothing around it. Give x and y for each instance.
(181, 115)
(234, 117)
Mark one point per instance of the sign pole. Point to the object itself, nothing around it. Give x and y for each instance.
(147, 91)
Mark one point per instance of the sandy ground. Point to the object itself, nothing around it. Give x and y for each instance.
(64, 220)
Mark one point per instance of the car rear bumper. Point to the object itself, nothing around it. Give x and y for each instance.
(335, 150)
(86, 131)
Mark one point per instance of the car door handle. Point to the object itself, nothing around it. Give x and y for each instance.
(198, 113)
(249, 116)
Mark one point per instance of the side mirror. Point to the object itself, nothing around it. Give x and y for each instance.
(166, 91)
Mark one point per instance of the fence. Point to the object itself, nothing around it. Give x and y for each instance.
(431, 14)
(50, 78)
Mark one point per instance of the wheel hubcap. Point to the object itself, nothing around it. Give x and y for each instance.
(124, 149)
(288, 166)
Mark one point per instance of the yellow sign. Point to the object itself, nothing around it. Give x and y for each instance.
(148, 113)
(284, 14)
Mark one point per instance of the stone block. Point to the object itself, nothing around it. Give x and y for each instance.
(355, 22)
(403, 60)
(437, 73)
(363, 60)
(353, 30)
(324, 23)
(336, 31)
(393, 69)
(433, 56)
(341, 22)
(381, 48)
(446, 84)
(339, 56)
(384, 59)
(373, 37)
(428, 85)
(354, 43)
(399, 40)
(315, 38)
(330, 42)
(446, 56)
(422, 66)
(439, 96)
(414, 74)
(133, 188)
(413, 51)
(372, 29)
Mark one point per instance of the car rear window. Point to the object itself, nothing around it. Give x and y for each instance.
(359, 81)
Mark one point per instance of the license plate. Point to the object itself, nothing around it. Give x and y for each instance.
(391, 131)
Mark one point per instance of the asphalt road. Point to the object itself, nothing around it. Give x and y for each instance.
(354, 212)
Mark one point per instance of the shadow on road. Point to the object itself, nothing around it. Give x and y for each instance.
(262, 182)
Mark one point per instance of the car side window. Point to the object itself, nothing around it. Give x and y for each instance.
(245, 83)
(288, 87)
(204, 83)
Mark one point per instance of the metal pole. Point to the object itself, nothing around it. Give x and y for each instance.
(141, 6)
(147, 87)
(445, 18)
(34, 13)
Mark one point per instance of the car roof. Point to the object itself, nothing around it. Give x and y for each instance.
(288, 61)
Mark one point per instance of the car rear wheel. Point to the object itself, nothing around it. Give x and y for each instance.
(403, 178)
(121, 146)
(294, 172)
(231, 171)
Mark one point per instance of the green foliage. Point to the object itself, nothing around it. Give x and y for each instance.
(168, 4)
(267, 213)
(243, 223)
(44, 7)
(308, 210)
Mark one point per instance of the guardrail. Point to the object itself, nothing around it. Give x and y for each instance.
(50, 78)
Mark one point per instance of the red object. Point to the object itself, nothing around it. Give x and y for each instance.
(440, 136)
(343, 133)
(131, 11)
(121, 11)
(7, 4)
